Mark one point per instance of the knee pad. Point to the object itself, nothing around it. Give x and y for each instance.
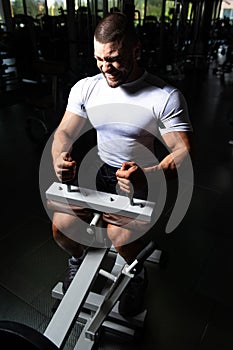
(126, 222)
(84, 214)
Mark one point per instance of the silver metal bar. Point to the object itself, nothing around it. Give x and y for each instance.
(95, 219)
(107, 306)
(74, 297)
(116, 290)
(101, 201)
(109, 325)
(108, 275)
(93, 224)
(83, 342)
(92, 303)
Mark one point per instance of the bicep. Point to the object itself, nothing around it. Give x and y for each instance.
(71, 125)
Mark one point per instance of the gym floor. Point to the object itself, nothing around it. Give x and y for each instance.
(189, 300)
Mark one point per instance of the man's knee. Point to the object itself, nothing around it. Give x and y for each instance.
(66, 243)
(117, 235)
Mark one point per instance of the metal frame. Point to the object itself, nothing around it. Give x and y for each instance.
(62, 321)
(95, 311)
(79, 303)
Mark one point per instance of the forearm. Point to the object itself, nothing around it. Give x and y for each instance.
(170, 163)
(179, 145)
(66, 134)
(61, 143)
(64, 138)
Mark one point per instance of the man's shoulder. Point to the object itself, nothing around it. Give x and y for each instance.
(85, 86)
(93, 79)
(158, 82)
(89, 80)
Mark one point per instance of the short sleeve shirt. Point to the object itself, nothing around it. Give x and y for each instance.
(130, 117)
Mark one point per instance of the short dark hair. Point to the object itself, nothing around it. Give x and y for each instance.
(116, 27)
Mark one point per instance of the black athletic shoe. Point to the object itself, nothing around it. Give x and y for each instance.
(73, 266)
(131, 300)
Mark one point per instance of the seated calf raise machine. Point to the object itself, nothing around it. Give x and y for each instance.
(94, 311)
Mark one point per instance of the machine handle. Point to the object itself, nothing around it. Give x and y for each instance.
(146, 252)
(142, 256)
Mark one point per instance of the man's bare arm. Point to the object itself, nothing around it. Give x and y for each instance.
(66, 134)
(180, 146)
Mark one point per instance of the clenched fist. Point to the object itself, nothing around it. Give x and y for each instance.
(131, 177)
(65, 167)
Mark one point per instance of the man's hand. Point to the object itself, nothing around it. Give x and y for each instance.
(65, 167)
(130, 177)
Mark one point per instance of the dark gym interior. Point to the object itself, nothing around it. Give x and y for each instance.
(190, 297)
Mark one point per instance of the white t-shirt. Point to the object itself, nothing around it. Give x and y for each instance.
(130, 117)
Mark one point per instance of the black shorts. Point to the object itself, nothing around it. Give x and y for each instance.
(106, 181)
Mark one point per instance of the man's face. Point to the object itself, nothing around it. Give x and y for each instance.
(115, 61)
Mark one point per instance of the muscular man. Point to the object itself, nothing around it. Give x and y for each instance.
(129, 108)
